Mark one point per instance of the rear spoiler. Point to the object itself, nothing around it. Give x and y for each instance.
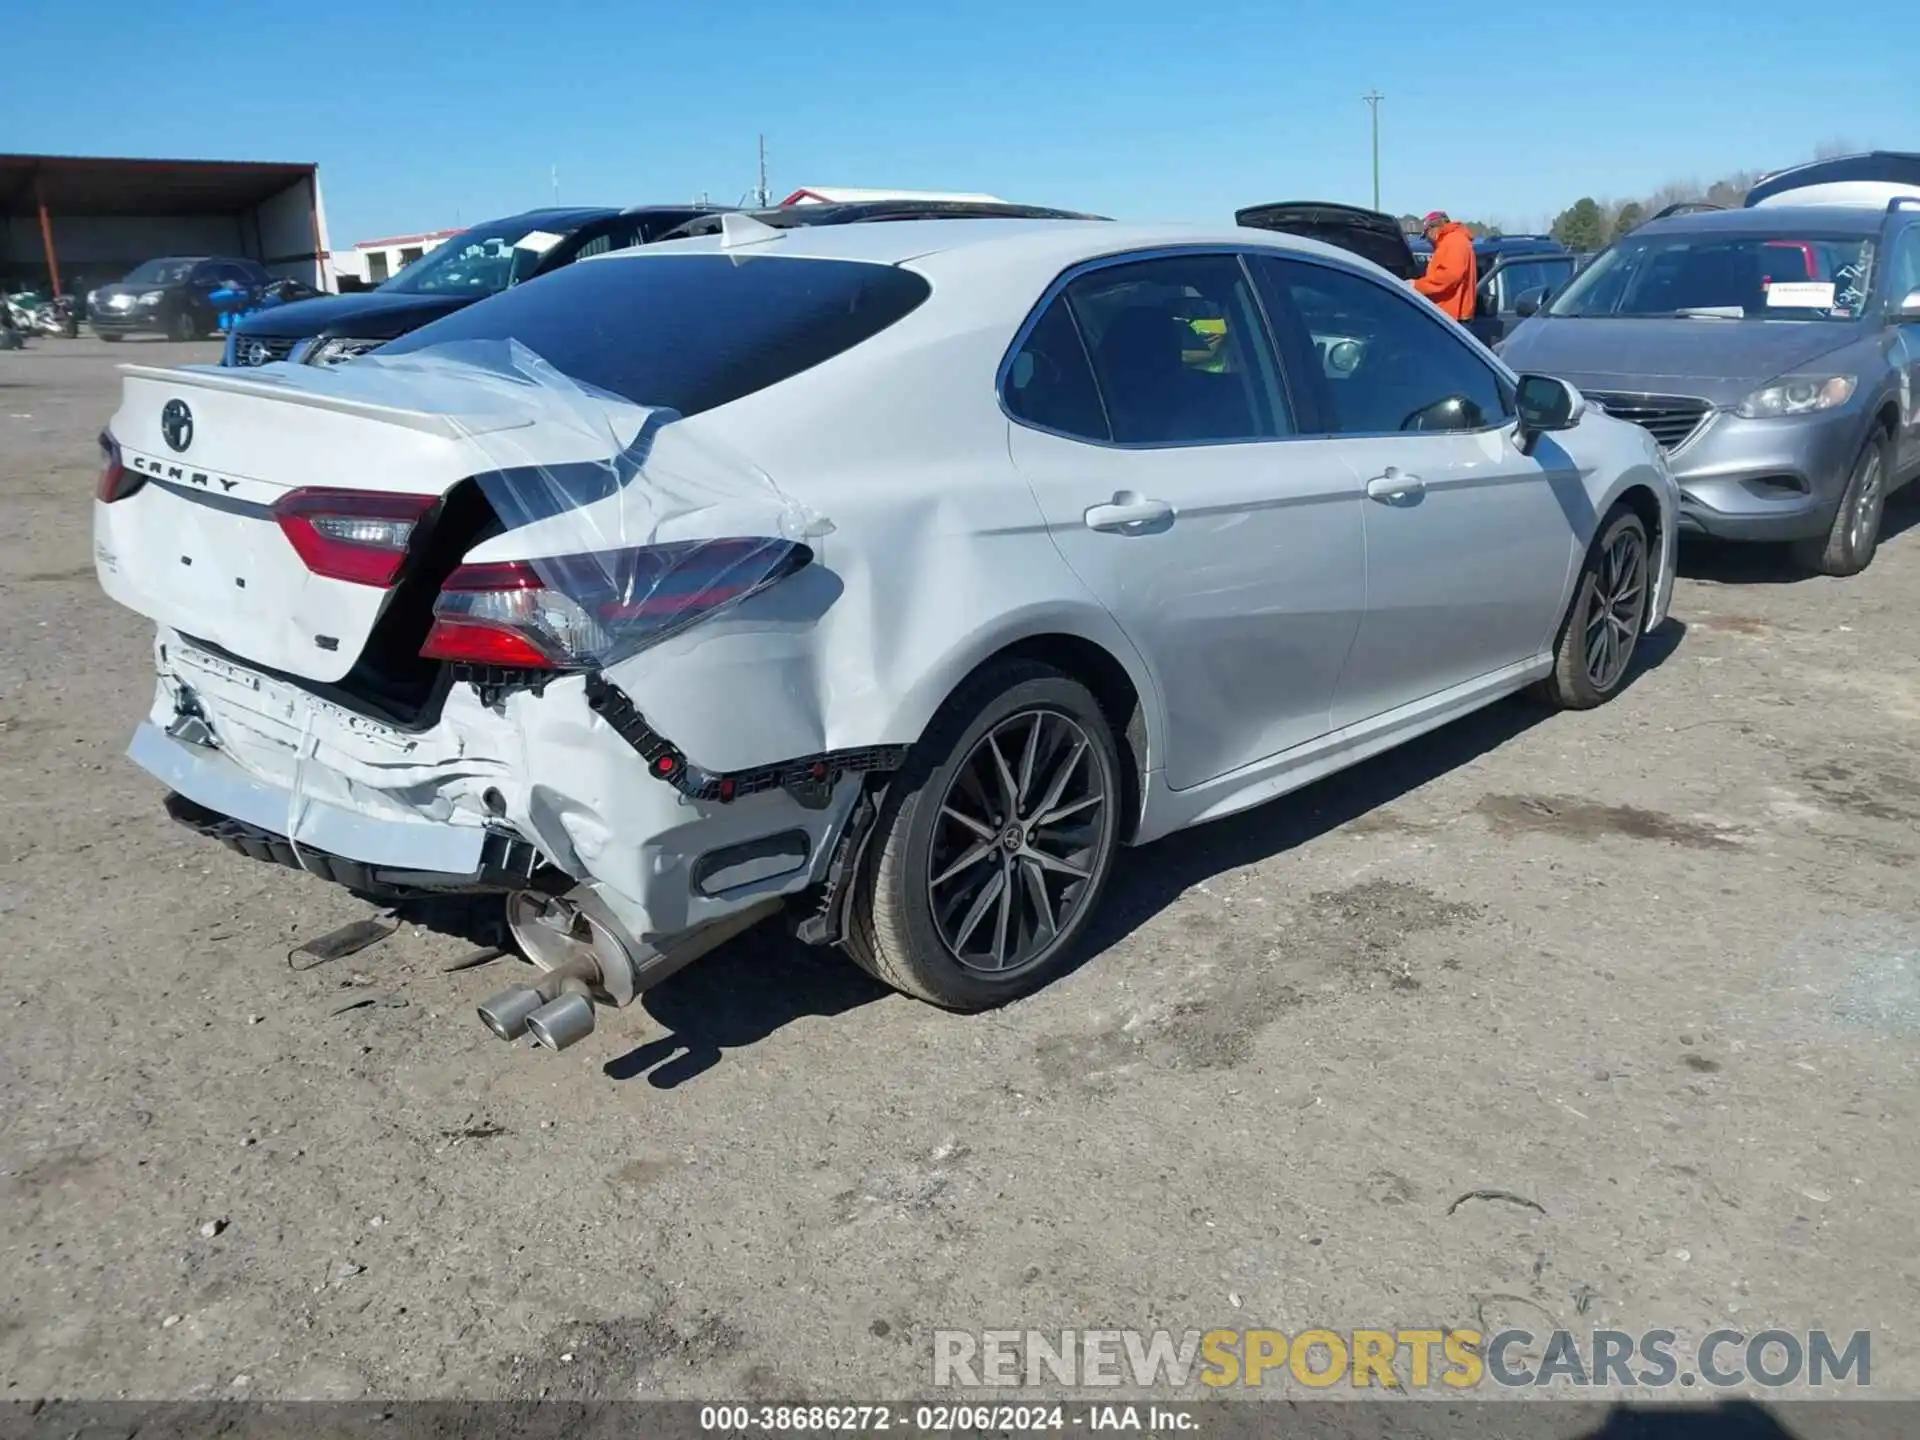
(431, 422)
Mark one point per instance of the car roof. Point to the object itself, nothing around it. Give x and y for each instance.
(687, 210)
(1530, 244)
(1021, 243)
(567, 217)
(849, 212)
(1763, 219)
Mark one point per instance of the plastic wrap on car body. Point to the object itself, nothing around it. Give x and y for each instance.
(626, 527)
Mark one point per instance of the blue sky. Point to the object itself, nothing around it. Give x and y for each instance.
(425, 113)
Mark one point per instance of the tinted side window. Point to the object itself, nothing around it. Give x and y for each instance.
(1520, 276)
(1903, 267)
(686, 332)
(616, 236)
(1049, 382)
(1179, 351)
(1388, 361)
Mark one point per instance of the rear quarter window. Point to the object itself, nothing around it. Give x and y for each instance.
(687, 332)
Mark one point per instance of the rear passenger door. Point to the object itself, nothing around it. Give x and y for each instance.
(1469, 542)
(1152, 420)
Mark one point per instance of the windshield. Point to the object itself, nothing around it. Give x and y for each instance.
(161, 272)
(1732, 277)
(482, 261)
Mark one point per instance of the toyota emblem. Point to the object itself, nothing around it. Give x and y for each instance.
(176, 424)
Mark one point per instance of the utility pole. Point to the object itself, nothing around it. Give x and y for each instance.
(761, 196)
(556, 184)
(1373, 99)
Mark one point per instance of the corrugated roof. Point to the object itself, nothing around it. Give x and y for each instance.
(108, 185)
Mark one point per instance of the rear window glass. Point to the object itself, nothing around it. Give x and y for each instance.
(687, 332)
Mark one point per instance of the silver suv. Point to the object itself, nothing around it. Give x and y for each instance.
(1773, 351)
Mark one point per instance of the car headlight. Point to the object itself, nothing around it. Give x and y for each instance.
(332, 352)
(1797, 395)
(153, 297)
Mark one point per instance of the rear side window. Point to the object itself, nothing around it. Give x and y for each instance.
(1179, 351)
(1049, 382)
(687, 332)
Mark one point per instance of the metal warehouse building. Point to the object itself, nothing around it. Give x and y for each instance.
(74, 222)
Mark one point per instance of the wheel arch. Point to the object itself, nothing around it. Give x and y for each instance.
(1639, 486)
(1886, 419)
(1087, 647)
(1638, 497)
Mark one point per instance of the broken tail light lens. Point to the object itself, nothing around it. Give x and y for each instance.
(360, 536)
(117, 482)
(574, 612)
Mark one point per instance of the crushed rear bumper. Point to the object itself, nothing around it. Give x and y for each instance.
(215, 797)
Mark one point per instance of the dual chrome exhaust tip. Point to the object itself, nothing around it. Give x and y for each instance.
(585, 959)
(556, 1023)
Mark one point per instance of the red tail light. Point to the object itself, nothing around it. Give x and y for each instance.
(572, 612)
(471, 644)
(359, 536)
(116, 481)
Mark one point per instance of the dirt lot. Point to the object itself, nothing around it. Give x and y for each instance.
(1655, 969)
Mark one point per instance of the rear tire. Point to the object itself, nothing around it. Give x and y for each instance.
(110, 339)
(967, 901)
(1851, 541)
(1601, 631)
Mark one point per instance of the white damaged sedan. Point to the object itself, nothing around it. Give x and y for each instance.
(891, 575)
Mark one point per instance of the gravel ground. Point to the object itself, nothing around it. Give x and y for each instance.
(1656, 969)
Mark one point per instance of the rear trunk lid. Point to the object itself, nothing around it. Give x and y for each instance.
(1872, 180)
(199, 547)
(1366, 233)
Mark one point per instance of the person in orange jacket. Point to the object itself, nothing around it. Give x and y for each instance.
(1452, 278)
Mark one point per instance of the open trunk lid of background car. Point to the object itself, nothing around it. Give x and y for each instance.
(1366, 233)
(199, 544)
(1871, 180)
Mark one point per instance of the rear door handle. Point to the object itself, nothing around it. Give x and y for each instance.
(1128, 513)
(1396, 487)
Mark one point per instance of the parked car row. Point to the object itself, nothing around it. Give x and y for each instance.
(894, 575)
(1509, 268)
(499, 254)
(186, 297)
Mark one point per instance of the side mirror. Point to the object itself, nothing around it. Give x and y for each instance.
(1545, 404)
(1909, 311)
(1531, 302)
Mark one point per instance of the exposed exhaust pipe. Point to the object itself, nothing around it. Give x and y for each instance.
(588, 959)
(563, 1022)
(512, 1012)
